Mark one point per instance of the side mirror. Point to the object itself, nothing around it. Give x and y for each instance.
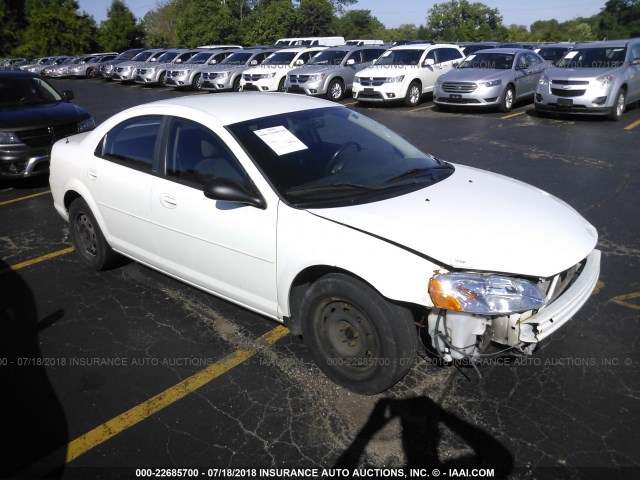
(253, 63)
(428, 62)
(213, 62)
(635, 61)
(351, 61)
(229, 190)
(299, 62)
(68, 95)
(522, 67)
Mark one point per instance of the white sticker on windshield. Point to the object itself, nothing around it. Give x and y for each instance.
(470, 57)
(571, 54)
(280, 140)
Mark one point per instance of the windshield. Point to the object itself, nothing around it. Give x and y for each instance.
(600, 57)
(239, 58)
(400, 57)
(494, 61)
(280, 58)
(142, 56)
(328, 57)
(200, 58)
(332, 156)
(552, 54)
(15, 91)
(167, 57)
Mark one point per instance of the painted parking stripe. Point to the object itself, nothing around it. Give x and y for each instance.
(43, 258)
(144, 410)
(7, 202)
(512, 115)
(633, 125)
(422, 108)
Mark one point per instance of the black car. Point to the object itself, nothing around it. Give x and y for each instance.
(33, 116)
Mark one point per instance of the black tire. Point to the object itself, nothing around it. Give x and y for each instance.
(618, 107)
(197, 82)
(88, 239)
(236, 84)
(162, 80)
(335, 91)
(357, 338)
(281, 85)
(508, 99)
(414, 94)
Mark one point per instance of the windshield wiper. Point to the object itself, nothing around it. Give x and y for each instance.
(417, 172)
(331, 186)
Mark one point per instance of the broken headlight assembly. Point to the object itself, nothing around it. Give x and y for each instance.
(484, 294)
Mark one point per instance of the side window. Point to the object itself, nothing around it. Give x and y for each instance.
(521, 61)
(432, 55)
(357, 56)
(532, 59)
(635, 52)
(454, 54)
(372, 54)
(132, 142)
(196, 155)
(261, 56)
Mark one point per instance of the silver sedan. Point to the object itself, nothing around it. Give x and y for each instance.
(496, 77)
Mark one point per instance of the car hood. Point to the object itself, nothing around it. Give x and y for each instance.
(310, 69)
(475, 74)
(36, 116)
(557, 73)
(477, 220)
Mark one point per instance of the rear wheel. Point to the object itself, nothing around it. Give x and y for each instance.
(414, 92)
(88, 239)
(357, 338)
(618, 107)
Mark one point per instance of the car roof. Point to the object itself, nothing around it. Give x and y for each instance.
(606, 43)
(18, 73)
(230, 108)
(512, 51)
(416, 46)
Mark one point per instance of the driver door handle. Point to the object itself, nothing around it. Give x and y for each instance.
(168, 201)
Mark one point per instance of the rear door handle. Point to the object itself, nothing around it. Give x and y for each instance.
(168, 201)
(92, 174)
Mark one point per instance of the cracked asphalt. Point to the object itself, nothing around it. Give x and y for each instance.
(98, 369)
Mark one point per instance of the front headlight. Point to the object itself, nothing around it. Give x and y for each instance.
(604, 81)
(543, 80)
(86, 125)
(397, 79)
(356, 80)
(492, 83)
(9, 138)
(223, 74)
(483, 294)
(317, 77)
(269, 75)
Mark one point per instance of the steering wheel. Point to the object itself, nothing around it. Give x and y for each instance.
(336, 164)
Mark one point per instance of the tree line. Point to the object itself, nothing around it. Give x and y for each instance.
(51, 27)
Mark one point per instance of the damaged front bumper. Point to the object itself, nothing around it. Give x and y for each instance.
(459, 335)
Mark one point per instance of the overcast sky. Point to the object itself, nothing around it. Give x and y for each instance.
(394, 13)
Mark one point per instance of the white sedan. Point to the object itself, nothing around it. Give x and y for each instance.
(316, 216)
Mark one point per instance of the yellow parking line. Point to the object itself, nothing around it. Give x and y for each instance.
(512, 115)
(146, 409)
(6, 202)
(33, 261)
(633, 125)
(422, 108)
(350, 103)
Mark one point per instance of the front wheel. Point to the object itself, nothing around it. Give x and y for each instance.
(357, 338)
(335, 91)
(87, 237)
(197, 82)
(618, 107)
(414, 92)
(507, 99)
(281, 85)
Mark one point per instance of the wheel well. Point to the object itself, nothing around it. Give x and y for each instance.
(339, 79)
(69, 197)
(300, 285)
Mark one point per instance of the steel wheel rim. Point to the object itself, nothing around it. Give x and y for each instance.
(87, 235)
(349, 334)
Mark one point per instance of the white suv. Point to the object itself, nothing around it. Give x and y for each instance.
(271, 74)
(405, 73)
